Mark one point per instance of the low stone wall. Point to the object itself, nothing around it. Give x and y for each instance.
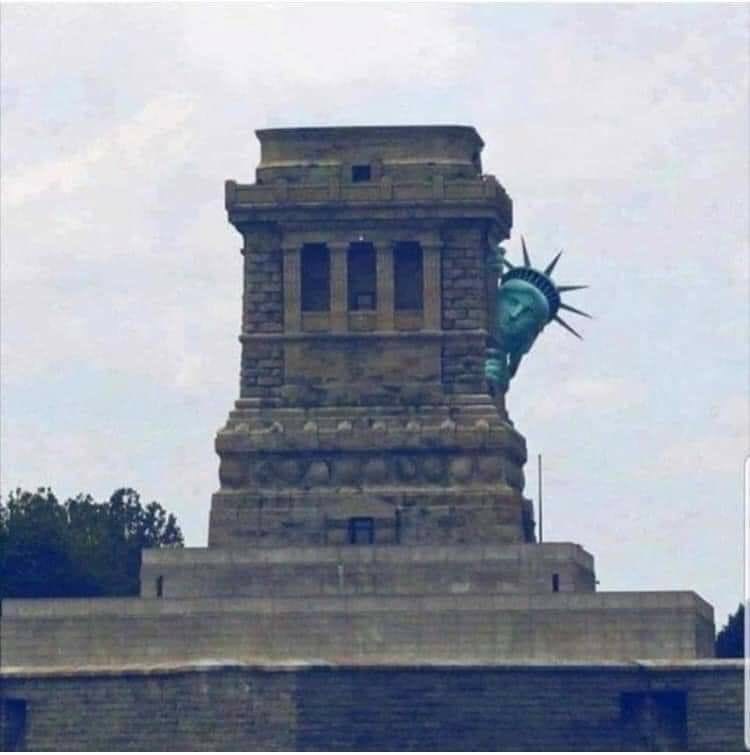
(375, 570)
(634, 706)
(377, 629)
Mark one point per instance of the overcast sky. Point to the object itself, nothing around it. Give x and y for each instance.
(620, 132)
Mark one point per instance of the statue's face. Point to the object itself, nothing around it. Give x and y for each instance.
(522, 313)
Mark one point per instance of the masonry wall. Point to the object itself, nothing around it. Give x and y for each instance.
(224, 709)
(464, 307)
(552, 707)
(262, 312)
(357, 628)
(376, 570)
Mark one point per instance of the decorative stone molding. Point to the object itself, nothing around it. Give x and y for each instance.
(406, 468)
(348, 471)
(375, 471)
(289, 470)
(385, 284)
(318, 473)
(490, 468)
(339, 286)
(431, 294)
(232, 471)
(461, 468)
(433, 468)
(320, 469)
(263, 472)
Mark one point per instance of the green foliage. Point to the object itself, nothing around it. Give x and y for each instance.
(730, 642)
(80, 548)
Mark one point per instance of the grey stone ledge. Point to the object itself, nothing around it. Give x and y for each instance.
(61, 609)
(214, 665)
(403, 335)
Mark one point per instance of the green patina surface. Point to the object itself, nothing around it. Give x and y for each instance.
(527, 300)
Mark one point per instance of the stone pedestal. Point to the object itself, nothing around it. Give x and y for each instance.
(368, 416)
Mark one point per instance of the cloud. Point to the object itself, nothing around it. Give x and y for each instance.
(591, 396)
(368, 46)
(719, 448)
(158, 127)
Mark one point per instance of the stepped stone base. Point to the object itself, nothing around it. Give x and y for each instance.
(357, 628)
(374, 570)
(442, 473)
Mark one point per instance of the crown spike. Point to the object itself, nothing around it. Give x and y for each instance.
(567, 327)
(563, 289)
(526, 258)
(551, 266)
(573, 309)
(508, 264)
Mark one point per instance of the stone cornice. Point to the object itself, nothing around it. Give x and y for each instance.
(404, 335)
(483, 197)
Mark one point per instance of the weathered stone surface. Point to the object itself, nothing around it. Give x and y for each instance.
(406, 370)
(467, 627)
(389, 569)
(429, 707)
(392, 707)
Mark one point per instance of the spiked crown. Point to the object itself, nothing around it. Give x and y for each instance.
(543, 282)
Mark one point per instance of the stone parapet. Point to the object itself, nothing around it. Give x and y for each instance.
(386, 192)
(375, 629)
(376, 570)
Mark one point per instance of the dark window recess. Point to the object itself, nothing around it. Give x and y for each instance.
(316, 278)
(13, 725)
(362, 277)
(361, 173)
(407, 277)
(555, 583)
(361, 530)
(160, 587)
(654, 720)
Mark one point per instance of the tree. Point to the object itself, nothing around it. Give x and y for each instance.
(82, 548)
(730, 642)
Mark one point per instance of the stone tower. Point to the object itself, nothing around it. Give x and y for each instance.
(372, 581)
(364, 416)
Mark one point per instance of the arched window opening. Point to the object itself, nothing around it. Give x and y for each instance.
(316, 278)
(407, 277)
(362, 278)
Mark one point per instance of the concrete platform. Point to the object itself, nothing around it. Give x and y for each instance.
(373, 570)
(373, 629)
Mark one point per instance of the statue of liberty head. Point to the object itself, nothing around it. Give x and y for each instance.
(527, 300)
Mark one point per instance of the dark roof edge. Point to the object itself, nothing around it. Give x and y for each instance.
(309, 130)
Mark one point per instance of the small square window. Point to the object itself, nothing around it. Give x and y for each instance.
(360, 173)
(361, 530)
